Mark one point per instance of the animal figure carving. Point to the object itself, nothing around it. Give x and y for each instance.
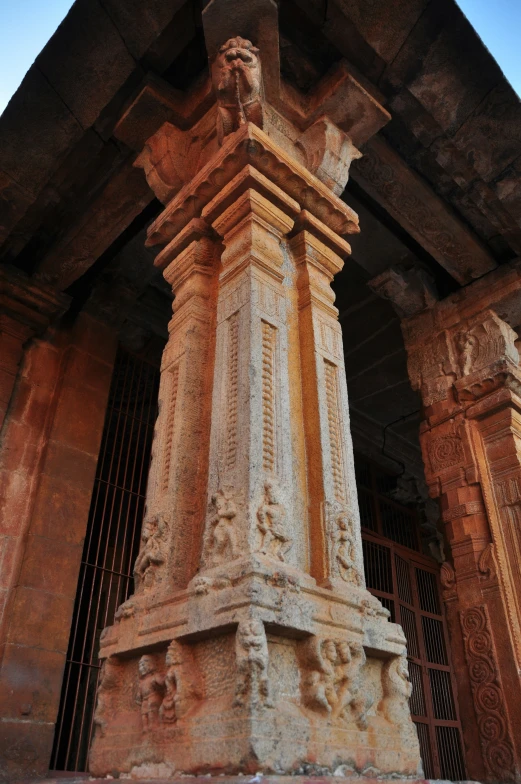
(238, 84)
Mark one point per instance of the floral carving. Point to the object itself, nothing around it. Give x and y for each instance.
(271, 517)
(252, 664)
(448, 581)
(445, 451)
(487, 692)
(236, 77)
(487, 563)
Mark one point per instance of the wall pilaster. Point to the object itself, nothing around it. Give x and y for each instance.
(467, 371)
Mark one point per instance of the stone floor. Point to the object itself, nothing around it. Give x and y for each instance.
(83, 778)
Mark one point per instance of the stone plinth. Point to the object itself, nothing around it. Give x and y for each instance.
(251, 643)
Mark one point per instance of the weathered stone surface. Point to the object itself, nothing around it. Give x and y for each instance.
(251, 642)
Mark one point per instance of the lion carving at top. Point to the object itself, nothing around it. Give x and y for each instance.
(237, 80)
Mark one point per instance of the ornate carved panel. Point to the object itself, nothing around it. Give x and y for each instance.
(487, 692)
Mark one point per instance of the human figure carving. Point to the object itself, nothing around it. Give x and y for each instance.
(334, 684)
(466, 345)
(237, 82)
(360, 701)
(271, 516)
(397, 690)
(180, 690)
(222, 539)
(252, 664)
(344, 550)
(152, 552)
(107, 691)
(151, 691)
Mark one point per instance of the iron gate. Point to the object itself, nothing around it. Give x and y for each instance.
(407, 583)
(110, 549)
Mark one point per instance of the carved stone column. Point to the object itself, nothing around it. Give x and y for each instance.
(464, 361)
(251, 642)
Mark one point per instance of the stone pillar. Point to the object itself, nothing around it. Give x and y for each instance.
(48, 454)
(464, 361)
(251, 642)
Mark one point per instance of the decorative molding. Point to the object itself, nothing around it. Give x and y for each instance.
(462, 510)
(333, 421)
(269, 336)
(169, 427)
(487, 692)
(445, 451)
(232, 393)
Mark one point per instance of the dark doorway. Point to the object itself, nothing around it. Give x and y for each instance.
(407, 583)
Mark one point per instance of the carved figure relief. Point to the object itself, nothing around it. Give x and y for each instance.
(334, 680)
(236, 77)
(487, 693)
(180, 686)
(150, 692)
(153, 550)
(397, 690)
(252, 655)
(343, 548)
(271, 517)
(107, 691)
(466, 346)
(221, 541)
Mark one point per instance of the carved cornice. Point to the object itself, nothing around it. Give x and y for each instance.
(28, 305)
(251, 146)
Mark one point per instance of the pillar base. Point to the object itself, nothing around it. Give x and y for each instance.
(320, 687)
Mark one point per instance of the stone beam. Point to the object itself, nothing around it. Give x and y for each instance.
(26, 309)
(123, 198)
(411, 202)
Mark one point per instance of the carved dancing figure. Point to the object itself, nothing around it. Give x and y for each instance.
(237, 82)
(320, 683)
(397, 690)
(344, 548)
(360, 701)
(252, 664)
(107, 690)
(152, 552)
(180, 689)
(222, 539)
(271, 516)
(151, 691)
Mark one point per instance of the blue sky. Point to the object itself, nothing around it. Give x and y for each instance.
(26, 26)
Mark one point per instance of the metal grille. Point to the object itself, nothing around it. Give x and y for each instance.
(407, 583)
(111, 545)
(379, 512)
